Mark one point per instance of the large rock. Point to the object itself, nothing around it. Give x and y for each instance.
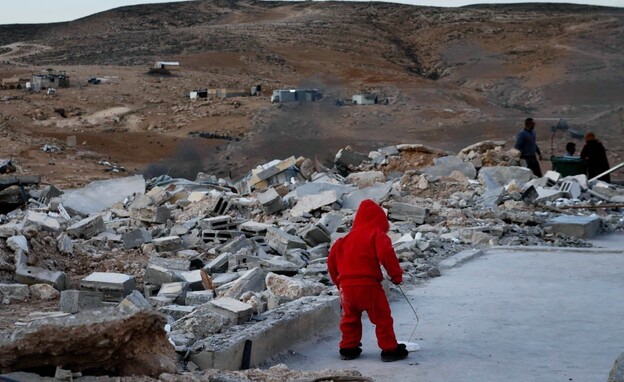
(44, 292)
(13, 292)
(366, 178)
(444, 166)
(252, 280)
(500, 176)
(120, 342)
(285, 286)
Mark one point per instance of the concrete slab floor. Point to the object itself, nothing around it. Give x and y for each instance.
(506, 316)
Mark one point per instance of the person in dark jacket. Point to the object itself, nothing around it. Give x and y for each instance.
(354, 267)
(526, 143)
(595, 157)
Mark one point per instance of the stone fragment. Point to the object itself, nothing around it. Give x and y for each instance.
(199, 297)
(377, 193)
(288, 287)
(177, 311)
(88, 227)
(175, 291)
(270, 201)
(193, 279)
(65, 244)
(571, 189)
(160, 271)
(348, 158)
(366, 178)
(312, 202)
(43, 292)
(114, 286)
(218, 264)
(135, 299)
(43, 221)
(444, 166)
(73, 301)
(407, 212)
(500, 176)
(35, 275)
(13, 292)
(136, 238)
(315, 235)
(17, 243)
(151, 214)
(252, 280)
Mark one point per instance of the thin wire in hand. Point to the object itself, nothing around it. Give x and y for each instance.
(413, 310)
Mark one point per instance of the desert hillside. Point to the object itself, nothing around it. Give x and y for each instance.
(451, 77)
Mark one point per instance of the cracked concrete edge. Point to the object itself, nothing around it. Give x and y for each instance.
(460, 258)
(470, 254)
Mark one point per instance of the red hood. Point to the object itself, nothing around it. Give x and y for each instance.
(370, 215)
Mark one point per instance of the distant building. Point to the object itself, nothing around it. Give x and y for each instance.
(296, 95)
(201, 93)
(364, 99)
(164, 67)
(50, 80)
(14, 83)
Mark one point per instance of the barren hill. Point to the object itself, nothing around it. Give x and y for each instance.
(452, 76)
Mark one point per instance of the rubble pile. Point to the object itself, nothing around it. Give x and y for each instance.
(219, 258)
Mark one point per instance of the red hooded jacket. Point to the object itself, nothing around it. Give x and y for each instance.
(355, 259)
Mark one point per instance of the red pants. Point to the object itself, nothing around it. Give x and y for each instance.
(372, 299)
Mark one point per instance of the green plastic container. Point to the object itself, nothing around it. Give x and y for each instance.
(568, 166)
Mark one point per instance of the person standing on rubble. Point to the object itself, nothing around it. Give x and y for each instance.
(354, 266)
(526, 143)
(595, 157)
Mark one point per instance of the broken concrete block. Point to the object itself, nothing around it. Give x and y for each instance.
(199, 324)
(252, 280)
(17, 243)
(193, 279)
(178, 230)
(136, 238)
(101, 195)
(332, 221)
(176, 291)
(139, 201)
(270, 201)
(282, 328)
(321, 251)
(74, 301)
(235, 310)
(577, 226)
(292, 288)
(552, 177)
(492, 197)
(151, 214)
(65, 244)
(407, 212)
(571, 189)
(159, 195)
(366, 178)
(297, 256)
(43, 221)
(312, 202)
(315, 235)
(219, 223)
(160, 302)
(114, 286)
(500, 176)
(444, 166)
(135, 299)
(546, 194)
(43, 292)
(218, 264)
(87, 228)
(13, 292)
(35, 275)
(11, 229)
(377, 193)
(160, 271)
(317, 187)
(389, 150)
(177, 311)
(199, 297)
(168, 244)
(281, 241)
(237, 244)
(219, 236)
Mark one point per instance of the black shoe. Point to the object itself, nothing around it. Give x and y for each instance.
(399, 353)
(350, 353)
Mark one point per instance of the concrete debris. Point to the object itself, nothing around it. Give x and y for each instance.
(617, 371)
(229, 262)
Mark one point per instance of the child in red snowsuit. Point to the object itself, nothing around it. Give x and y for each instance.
(354, 266)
